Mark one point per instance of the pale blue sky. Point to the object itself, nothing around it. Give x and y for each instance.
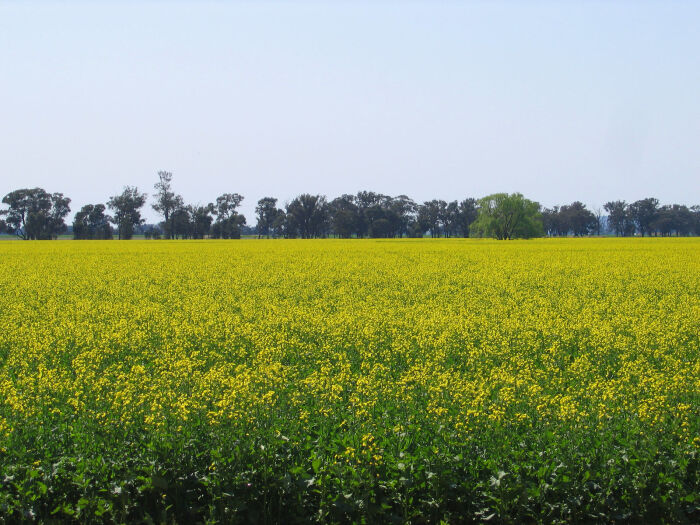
(559, 100)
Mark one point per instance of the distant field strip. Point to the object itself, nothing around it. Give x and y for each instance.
(545, 380)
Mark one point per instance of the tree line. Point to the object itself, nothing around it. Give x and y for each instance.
(37, 214)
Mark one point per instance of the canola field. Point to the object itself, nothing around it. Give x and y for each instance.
(397, 381)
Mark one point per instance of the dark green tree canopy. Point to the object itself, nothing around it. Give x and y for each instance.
(168, 203)
(92, 223)
(307, 216)
(266, 210)
(228, 221)
(619, 220)
(345, 216)
(127, 210)
(201, 219)
(430, 215)
(643, 212)
(35, 214)
(572, 218)
(468, 212)
(404, 211)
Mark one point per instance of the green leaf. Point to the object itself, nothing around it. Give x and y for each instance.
(159, 482)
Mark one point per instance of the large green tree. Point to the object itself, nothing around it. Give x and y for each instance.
(404, 211)
(92, 223)
(345, 216)
(201, 219)
(307, 216)
(368, 204)
(695, 219)
(619, 219)
(33, 213)
(577, 219)
(168, 203)
(508, 216)
(644, 212)
(180, 224)
(266, 211)
(127, 210)
(430, 216)
(228, 221)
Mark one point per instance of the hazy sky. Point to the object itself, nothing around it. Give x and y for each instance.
(558, 100)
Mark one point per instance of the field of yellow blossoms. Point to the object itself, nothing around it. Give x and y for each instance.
(283, 381)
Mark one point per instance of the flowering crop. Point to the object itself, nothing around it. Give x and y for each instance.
(409, 380)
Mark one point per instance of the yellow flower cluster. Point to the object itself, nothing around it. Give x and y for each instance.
(369, 336)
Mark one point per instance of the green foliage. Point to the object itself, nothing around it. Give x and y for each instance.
(127, 210)
(307, 216)
(228, 221)
(267, 212)
(35, 214)
(508, 216)
(507, 475)
(92, 223)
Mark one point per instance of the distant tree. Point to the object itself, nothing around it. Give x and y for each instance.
(643, 213)
(266, 211)
(508, 216)
(60, 207)
(279, 224)
(370, 214)
(619, 219)
(226, 205)
(382, 228)
(673, 219)
(441, 216)
(682, 219)
(369, 205)
(229, 228)
(201, 219)
(344, 216)
(152, 232)
(167, 202)
(572, 218)
(228, 221)
(404, 211)
(551, 221)
(380, 219)
(35, 214)
(27, 208)
(468, 212)
(598, 226)
(180, 225)
(307, 216)
(663, 222)
(695, 220)
(430, 215)
(416, 229)
(92, 223)
(578, 219)
(127, 211)
(450, 219)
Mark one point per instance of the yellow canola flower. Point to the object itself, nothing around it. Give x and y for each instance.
(373, 337)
